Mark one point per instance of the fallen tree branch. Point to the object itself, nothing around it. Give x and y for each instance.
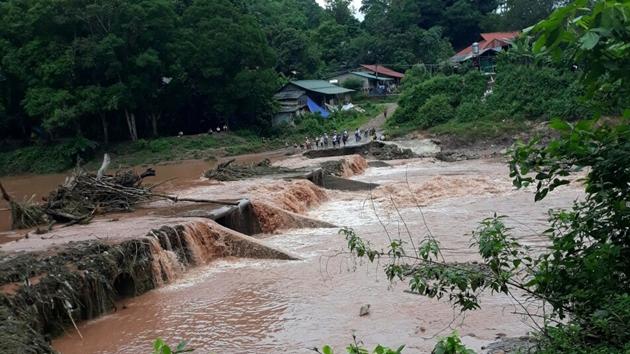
(104, 166)
(195, 200)
(5, 195)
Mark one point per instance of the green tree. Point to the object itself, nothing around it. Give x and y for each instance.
(341, 11)
(227, 58)
(520, 14)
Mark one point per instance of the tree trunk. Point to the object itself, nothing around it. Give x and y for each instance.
(77, 126)
(105, 124)
(131, 124)
(154, 120)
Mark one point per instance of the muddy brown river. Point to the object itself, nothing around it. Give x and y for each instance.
(171, 177)
(268, 306)
(256, 306)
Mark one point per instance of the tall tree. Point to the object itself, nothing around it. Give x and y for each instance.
(341, 11)
(519, 14)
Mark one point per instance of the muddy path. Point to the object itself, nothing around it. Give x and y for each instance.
(238, 305)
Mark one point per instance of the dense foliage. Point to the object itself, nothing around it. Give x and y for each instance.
(432, 99)
(115, 70)
(581, 278)
(79, 67)
(521, 89)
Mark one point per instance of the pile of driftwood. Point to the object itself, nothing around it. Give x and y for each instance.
(228, 171)
(84, 195)
(80, 198)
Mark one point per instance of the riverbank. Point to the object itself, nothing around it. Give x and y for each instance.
(62, 156)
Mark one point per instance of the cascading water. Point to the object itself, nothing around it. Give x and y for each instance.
(165, 265)
(254, 306)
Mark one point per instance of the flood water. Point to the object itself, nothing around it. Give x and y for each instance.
(171, 177)
(266, 306)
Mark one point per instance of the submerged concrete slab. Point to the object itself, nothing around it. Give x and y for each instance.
(344, 184)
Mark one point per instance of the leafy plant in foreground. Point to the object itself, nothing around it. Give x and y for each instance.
(451, 345)
(160, 347)
(582, 276)
(357, 348)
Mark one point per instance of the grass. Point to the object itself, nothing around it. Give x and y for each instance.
(61, 156)
(481, 130)
(463, 131)
(362, 99)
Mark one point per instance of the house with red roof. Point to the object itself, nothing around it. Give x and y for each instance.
(489, 46)
(382, 71)
(388, 78)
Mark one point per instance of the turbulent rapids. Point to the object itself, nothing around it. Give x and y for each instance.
(268, 273)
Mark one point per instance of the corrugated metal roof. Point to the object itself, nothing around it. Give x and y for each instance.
(370, 76)
(321, 86)
(383, 70)
(490, 41)
(288, 95)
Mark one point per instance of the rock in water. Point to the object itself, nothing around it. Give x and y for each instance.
(365, 310)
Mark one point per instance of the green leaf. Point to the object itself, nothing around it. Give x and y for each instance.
(327, 350)
(158, 344)
(560, 125)
(589, 40)
(181, 345)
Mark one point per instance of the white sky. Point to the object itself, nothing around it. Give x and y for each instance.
(355, 3)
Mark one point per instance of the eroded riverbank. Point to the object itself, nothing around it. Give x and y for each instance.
(262, 306)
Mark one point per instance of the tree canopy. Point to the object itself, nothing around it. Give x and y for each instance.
(122, 69)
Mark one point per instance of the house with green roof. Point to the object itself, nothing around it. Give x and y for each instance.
(301, 96)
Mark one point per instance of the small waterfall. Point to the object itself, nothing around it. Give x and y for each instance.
(165, 265)
(197, 243)
(269, 219)
(353, 165)
(300, 196)
(202, 243)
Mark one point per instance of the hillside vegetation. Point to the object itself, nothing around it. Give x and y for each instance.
(523, 91)
(74, 74)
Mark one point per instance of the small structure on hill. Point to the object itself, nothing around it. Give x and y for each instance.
(369, 81)
(483, 53)
(301, 96)
(381, 72)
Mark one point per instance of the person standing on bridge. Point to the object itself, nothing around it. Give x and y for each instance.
(325, 139)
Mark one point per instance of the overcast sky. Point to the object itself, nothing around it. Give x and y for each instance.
(355, 3)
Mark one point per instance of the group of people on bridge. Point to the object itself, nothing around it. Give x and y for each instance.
(336, 139)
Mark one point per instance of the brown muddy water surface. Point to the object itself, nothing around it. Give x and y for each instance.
(172, 176)
(268, 306)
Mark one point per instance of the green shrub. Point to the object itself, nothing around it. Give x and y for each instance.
(159, 145)
(353, 84)
(456, 88)
(417, 73)
(451, 345)
(435, 110)
(535, 91)
(470, 111)
(47, 158)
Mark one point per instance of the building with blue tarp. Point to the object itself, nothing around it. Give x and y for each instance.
(301, 96)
